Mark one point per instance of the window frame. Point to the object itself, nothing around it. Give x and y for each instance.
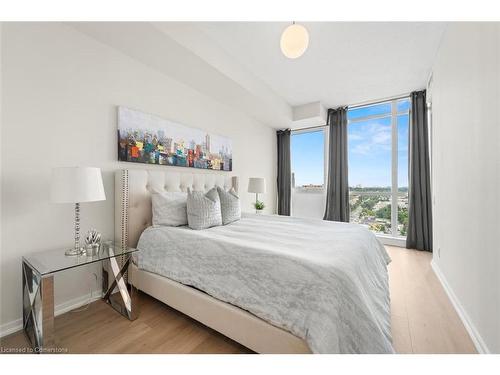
(394, 193)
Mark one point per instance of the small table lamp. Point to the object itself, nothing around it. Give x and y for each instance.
(76, 185)
(256, 185)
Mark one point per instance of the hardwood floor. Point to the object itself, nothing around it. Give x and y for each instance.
(423, 318)
(423, 321)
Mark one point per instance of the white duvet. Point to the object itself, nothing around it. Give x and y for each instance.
(325, 282)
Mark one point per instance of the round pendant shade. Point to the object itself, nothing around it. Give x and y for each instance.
(294, 41)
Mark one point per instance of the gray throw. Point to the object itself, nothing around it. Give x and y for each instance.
(325, 282)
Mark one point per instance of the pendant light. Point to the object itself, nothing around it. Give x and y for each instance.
(294, 41)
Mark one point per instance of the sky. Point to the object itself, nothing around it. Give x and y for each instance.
(307, 154)
(369, 150)
(136, 120)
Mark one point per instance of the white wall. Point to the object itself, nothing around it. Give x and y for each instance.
(310, 204)
(466, 170)
(60, 92)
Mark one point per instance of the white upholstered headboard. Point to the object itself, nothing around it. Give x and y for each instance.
(133, 188)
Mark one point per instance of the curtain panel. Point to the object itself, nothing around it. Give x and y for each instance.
(337, 192)
(284, 180)
(420, 202)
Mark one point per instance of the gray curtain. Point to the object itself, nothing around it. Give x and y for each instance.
(419, 205)
(337, 193)
(284, 172)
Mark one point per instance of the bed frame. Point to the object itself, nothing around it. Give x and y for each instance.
(133, 188)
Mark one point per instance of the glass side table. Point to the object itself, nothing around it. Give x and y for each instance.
(38, 287)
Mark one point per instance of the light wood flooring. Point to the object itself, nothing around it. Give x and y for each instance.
(423, 321)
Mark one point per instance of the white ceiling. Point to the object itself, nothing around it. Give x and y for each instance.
(346, 63)
(214, 75)
(240, 63)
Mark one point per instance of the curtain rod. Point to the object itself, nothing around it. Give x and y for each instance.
(378, 101)
(357, 105)
(308, 128)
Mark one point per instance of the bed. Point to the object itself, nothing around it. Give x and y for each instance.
(274, 284)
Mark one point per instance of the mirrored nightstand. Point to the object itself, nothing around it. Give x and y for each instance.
(38, 287)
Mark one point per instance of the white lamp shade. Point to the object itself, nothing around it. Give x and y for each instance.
(256, 185)
(76, 185)
(294, 41)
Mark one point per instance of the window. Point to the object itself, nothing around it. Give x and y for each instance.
(378, 166)
(308, 159)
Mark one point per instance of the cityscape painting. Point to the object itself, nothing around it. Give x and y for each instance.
(149, 139)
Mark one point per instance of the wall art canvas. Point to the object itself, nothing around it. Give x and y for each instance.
(149, 139)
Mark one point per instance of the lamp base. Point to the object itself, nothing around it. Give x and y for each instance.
(76, 250)
(73, 252)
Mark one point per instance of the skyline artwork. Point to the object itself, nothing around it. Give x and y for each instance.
(149, 139)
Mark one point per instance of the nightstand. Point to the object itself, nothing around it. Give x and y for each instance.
(38, 288)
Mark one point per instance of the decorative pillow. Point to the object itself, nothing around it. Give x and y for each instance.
(229, 205)
(203, 209)
(169, 208)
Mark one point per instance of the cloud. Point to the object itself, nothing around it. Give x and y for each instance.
(370, 138)
(382, 138)
(355, 137)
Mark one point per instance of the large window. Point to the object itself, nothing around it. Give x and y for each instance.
(308, 159)
(378, 166)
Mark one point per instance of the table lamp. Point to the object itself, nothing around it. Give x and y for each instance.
(256, 185)
(76, 185)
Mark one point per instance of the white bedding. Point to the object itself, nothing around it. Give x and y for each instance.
(326, 282)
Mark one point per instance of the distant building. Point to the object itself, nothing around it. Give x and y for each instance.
(226, 164)
(207, 143)
(190, 158)
(168, 145)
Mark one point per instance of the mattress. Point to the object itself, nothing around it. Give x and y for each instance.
(325, 282)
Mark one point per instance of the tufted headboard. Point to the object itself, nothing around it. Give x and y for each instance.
(133, 188)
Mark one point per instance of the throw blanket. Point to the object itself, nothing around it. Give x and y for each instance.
(325, 282)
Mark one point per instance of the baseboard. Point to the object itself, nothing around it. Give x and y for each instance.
(478, 341)
(392, 241)
(17, 325)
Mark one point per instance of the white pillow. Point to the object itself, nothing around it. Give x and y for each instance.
(169, 208)
(203, 210)
(230, 205)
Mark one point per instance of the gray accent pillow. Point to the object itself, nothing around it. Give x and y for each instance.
(169, 208)
(229, 205)
(203, 209)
